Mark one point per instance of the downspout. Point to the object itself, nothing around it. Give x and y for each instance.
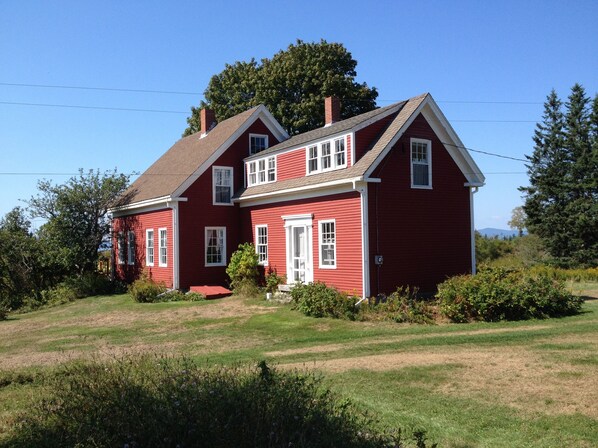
(472, 191)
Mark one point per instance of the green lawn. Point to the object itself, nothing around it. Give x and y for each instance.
(514, 384)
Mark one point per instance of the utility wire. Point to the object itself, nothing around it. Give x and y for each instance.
(72, 106)
(486, 152)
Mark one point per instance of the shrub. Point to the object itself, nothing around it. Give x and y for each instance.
(93, 284)
(401, 306)
(145, 290)
(149, 402)
(273, 280)
(318, 300)
(4, 310)
(500, 294)
(193, 296)
(242, 270)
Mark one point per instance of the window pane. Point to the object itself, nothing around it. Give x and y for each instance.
(420, 174)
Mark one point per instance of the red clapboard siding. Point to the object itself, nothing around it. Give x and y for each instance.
(364, 137)
(291, 164)
(348, 147)
(198, 213)
(424, 235)
(344, 208)
(139, 224)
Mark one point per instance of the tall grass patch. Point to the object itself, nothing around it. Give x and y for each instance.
(143, 402)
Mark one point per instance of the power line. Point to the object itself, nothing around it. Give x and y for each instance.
(486, 152)
(74, 106)
(109, 89)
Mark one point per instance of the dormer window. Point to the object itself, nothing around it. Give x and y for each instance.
(261, 171)
(257, 143)
(326, 156)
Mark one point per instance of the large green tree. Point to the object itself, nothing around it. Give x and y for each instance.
(76, 214)
(292, 85)
(561, 202)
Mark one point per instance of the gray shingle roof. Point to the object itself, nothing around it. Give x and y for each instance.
(355, 171)
(171, 170)
(335, 128)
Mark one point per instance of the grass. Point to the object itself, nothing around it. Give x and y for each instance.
(507, 384)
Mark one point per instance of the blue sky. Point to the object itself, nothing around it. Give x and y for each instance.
(489, 65)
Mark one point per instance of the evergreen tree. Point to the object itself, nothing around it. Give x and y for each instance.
(561, 202)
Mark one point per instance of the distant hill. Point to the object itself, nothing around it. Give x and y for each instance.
(490, 232)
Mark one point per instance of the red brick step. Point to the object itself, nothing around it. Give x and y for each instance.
(212, 292)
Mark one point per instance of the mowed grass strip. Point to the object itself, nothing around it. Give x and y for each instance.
(482, 384)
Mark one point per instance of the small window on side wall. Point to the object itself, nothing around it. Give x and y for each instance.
(257, 143)
(421, 163)
(222, 185)
(261, 244)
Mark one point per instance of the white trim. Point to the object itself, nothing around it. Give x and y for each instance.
(256, 164)
(148, 205)
(147, 263)
(131, 260)
(291, 222)
(428, 144)
(352, 135)
(257, 243)
(332, 145)
(265, 136)
(365, 241)
(232, 184)
(472, 190)
(260, 112)
(223, 252)
(320, 265)
(176, 245)
(160, 264)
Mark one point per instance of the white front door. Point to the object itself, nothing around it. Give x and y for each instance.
(299, 249)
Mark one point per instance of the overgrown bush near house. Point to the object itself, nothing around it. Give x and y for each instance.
(402, 306)
(93, 284)
(500, 294)
(145, 290)
(4, 310)
(318, 300)
(149, 402)
(193, 296)
(576, 275)
(242, 270)
(179, 296)
(273, 280)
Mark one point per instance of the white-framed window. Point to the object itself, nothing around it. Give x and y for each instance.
(131, 247)
(215, 246)
(327, 155)
(149, 247)
(328, 244)
(340, 154)
(257, 143)
(120, 241)
(163, 247)
(222, 185)
(261, 171)
(326, 158)
(271, 169)
(421, 163)
(261, 244)
(312, 159)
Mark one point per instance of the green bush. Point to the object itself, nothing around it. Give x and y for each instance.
(318, 300)
(193, 296)
(402, 306)
(145, 290)
(576, 275)
(179, 296)
(93, 284)
(273, 280)
(4, 310)
(500, 294)
(242, 270)
(149, 402)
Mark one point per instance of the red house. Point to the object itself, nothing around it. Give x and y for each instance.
(364, 204)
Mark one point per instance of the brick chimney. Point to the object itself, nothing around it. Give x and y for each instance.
(207, 119)
(332, 109)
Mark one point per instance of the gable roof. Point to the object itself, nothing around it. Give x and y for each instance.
(335, 128)
(408, 111)
(182, 164)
